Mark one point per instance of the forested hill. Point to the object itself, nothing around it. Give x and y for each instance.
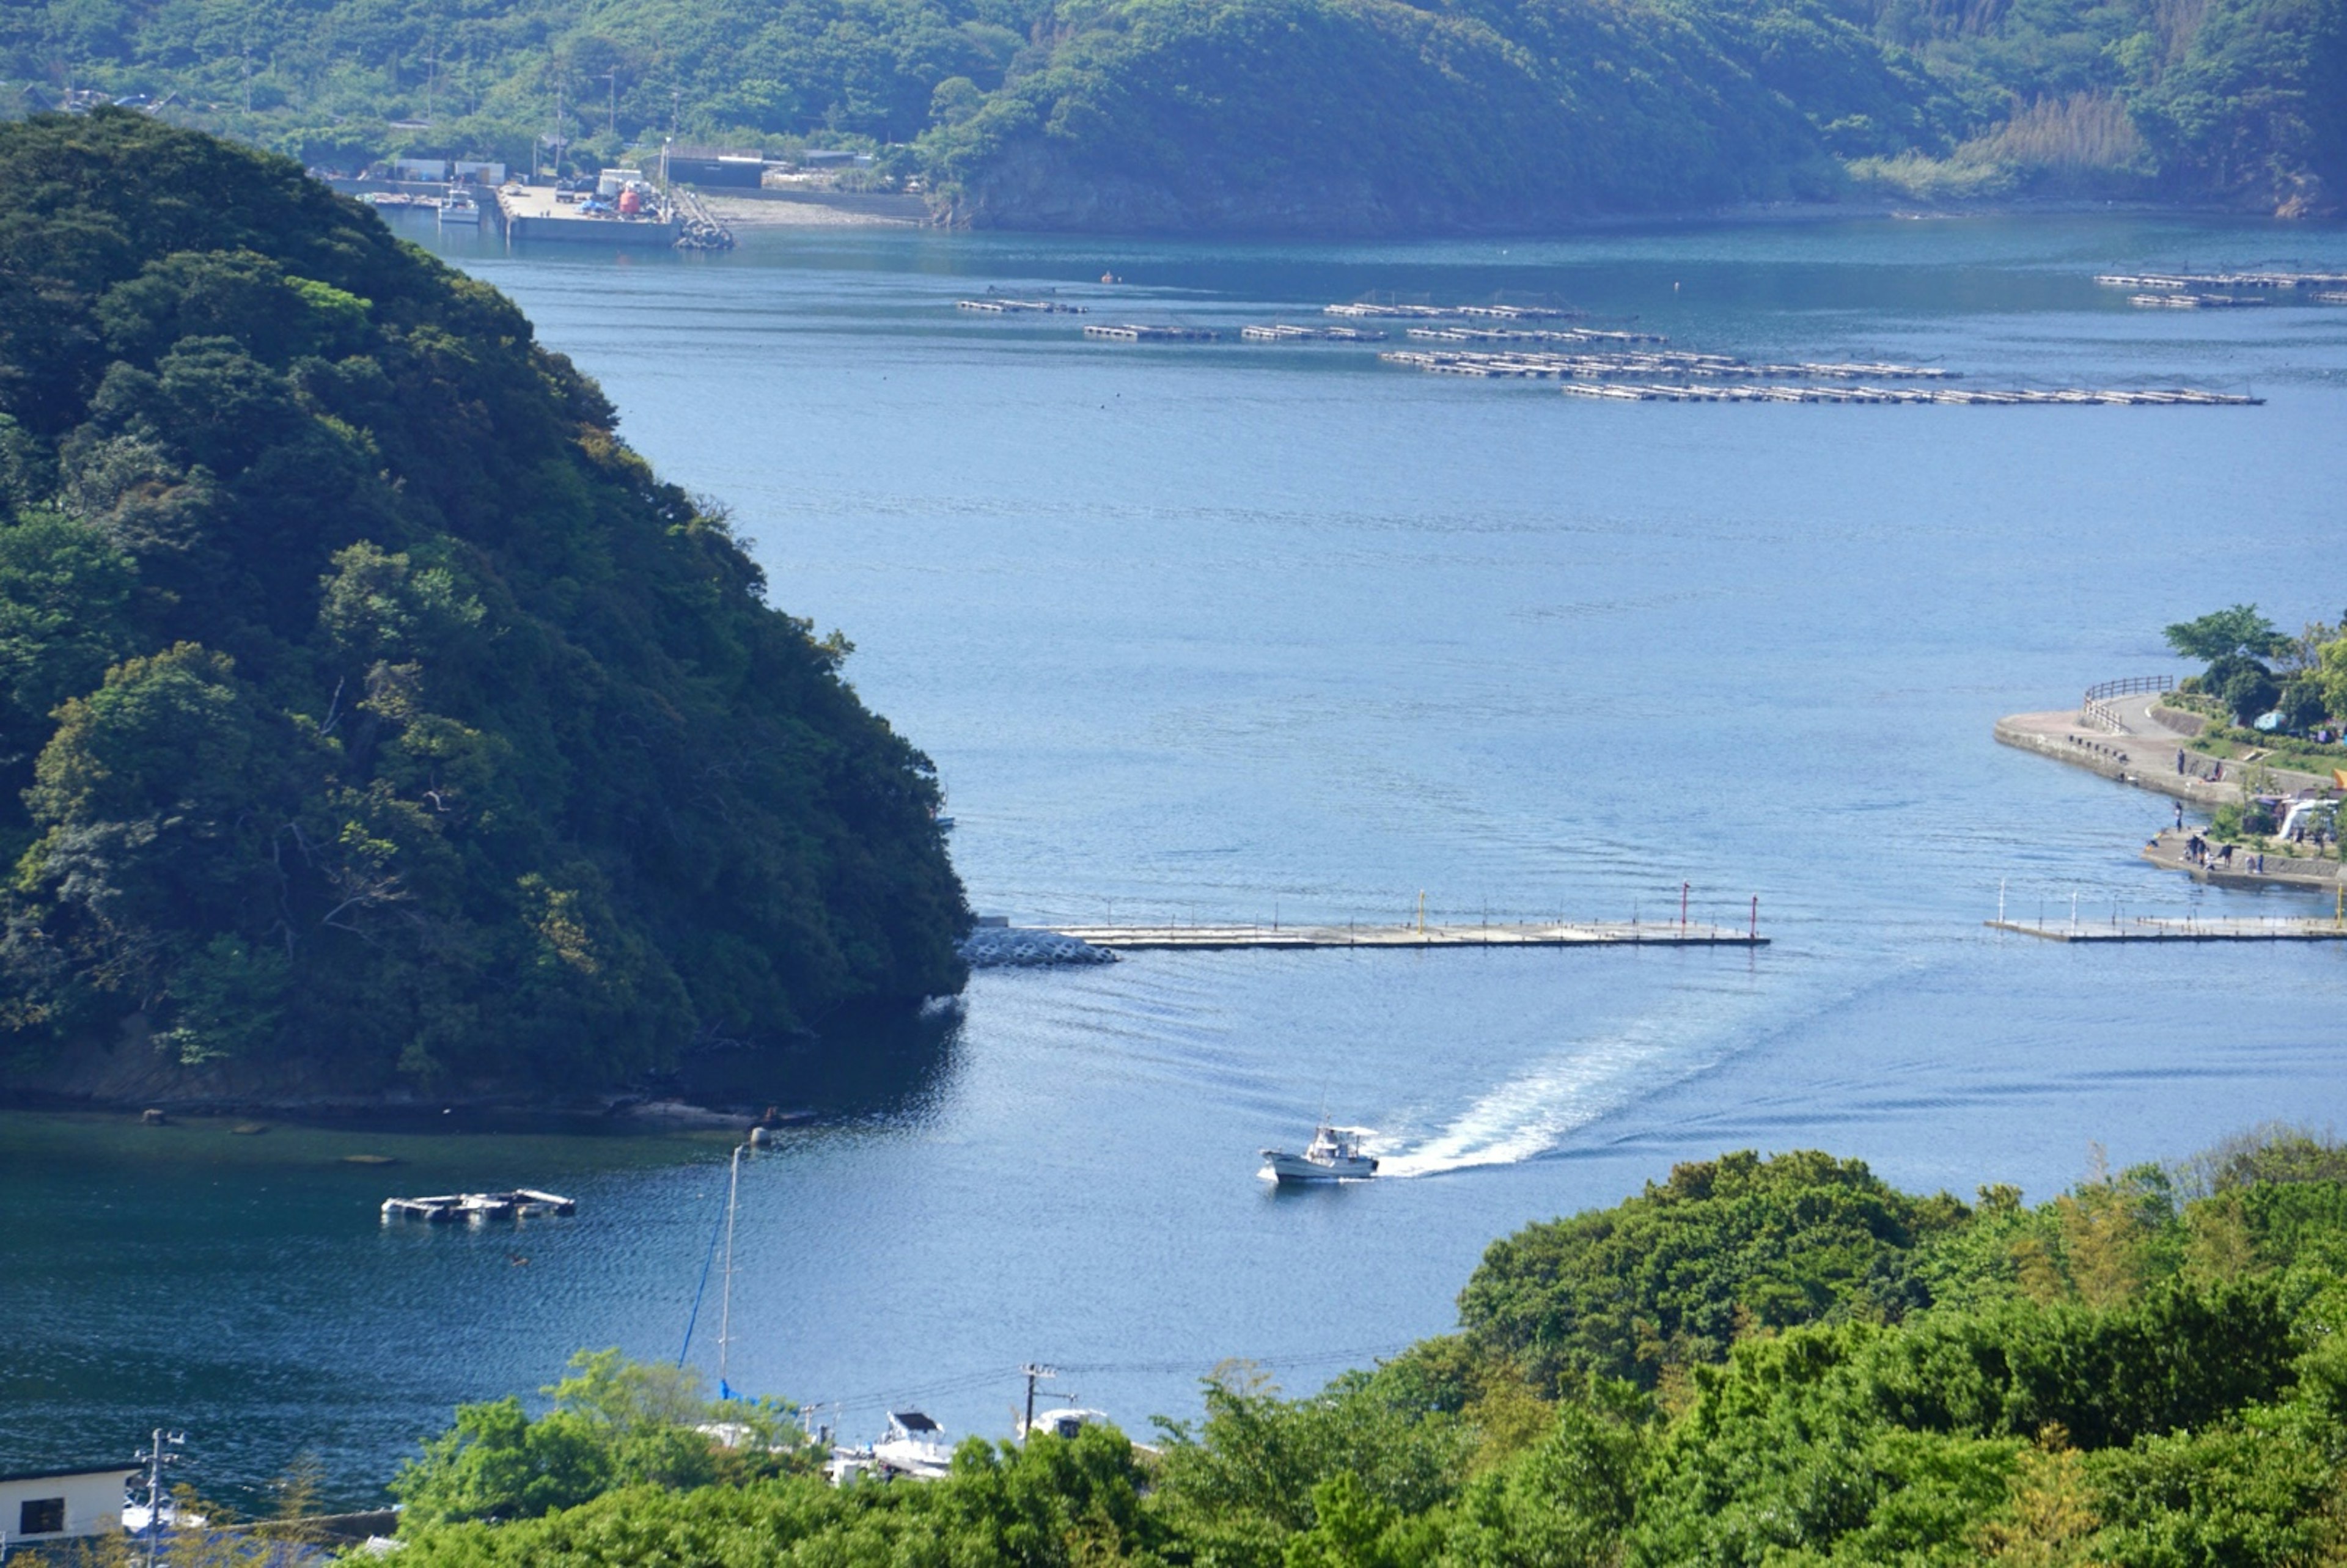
(1302, 117)
(369, 713)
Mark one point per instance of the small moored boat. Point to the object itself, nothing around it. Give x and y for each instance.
(1334, 1156)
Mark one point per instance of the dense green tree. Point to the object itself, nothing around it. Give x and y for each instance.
(368, 703)
(2238, 632)
(1674, 1276)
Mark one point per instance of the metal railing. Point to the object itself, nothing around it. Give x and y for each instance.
(2096, 710)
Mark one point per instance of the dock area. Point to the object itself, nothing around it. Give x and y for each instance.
(1558, 934)
(2148, 929)
(541, 213)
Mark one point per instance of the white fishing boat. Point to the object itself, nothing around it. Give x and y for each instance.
(1063, 1423)
(458, 207)
(915, 1449)
(1334, 1156)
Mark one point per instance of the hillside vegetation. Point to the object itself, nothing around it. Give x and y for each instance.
(1302, 117)
(366, 706)
(1760, 1361)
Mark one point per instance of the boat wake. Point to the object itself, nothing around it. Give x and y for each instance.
(1535, 1111)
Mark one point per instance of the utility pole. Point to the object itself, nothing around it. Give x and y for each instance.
(157, 1456)
(612, 125)
(432, 82)
(725, 1311)
(1033, 1371)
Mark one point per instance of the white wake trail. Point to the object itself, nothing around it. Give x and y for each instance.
(1536, 1109)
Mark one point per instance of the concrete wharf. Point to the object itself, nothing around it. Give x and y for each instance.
(1019, 307)
(1548, 934)
(1282, 332)
(1136, 333)
(542, 212)
(2147, 929)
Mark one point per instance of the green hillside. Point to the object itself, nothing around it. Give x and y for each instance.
(1304, 117)
(1781, 1361)
(371, 712)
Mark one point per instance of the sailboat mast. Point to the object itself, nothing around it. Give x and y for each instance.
(725, 1311)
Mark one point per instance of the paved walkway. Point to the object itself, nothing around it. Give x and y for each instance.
(2146, 755)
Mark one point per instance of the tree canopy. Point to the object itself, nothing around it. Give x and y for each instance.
(2238, 632)
(1309, 117)
(368, 706)
(2118, 1377)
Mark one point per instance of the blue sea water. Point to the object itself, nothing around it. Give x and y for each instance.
(1245, 633)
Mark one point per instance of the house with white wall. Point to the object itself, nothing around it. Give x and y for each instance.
(59, 1505)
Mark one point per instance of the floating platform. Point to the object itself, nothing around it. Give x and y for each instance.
(1020, 307)
(2188, 302)
(1134, 332)
(2146, 929)
(2221, 279)
(1561, 934)
(1375, 311)
(1504, 334)
(1670, 363)
(1633, 392)
(1280, 333)
(473, 1208)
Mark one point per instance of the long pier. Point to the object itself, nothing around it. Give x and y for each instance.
(2147, 929)
(1557, 934)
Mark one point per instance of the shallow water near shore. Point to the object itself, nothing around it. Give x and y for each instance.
(1242, 632)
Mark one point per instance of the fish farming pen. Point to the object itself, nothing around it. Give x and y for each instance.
(1280, 333)
(1632, 392)
(1670, 363)
(1133, 332)
(2188, 302)
(1019, 307)
(473, 1208)
(1503, 334)
(2221, 279)
(1374, 311)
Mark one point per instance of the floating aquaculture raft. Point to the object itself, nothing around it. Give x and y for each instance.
(522, 1203)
